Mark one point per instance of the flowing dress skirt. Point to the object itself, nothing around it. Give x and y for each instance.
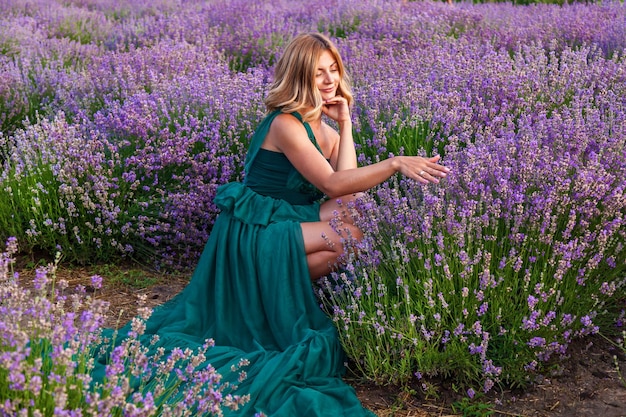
(252, 295)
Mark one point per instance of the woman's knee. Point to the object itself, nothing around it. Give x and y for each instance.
(340, 209)
(349, 233)
(327, 245)
(330, 236)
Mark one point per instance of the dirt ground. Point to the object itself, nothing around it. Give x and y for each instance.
(587, 385)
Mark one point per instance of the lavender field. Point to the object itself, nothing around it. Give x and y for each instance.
(119, 119)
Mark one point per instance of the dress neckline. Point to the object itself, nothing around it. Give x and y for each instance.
(261, 131)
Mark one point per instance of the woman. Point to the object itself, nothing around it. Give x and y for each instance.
(251, 291)
(310, 79)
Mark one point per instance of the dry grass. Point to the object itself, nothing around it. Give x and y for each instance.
(122, 286)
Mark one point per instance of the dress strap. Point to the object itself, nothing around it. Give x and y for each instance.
(309, 131)
(261, 131)
(258, 137)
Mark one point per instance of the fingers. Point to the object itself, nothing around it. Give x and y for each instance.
(431, 176)
(336, 108)
(421, 178)
(335, 101)
(429, 171)
(437, 170)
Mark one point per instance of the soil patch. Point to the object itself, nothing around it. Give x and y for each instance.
(587, 384)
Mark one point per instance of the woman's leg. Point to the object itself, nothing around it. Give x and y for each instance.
(324, 241)
(338, 209)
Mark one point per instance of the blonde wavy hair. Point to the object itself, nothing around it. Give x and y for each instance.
(293, 88)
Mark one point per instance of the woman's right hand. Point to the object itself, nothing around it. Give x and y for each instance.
(337, 109)
(423, 170)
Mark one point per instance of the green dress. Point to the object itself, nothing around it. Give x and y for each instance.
(252, 294)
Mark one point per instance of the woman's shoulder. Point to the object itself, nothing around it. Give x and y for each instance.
(285, 127)
(287, 121)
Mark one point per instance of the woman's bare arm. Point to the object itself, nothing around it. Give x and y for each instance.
(345, 153)
(289, 136)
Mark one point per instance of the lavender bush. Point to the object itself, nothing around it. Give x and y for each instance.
(120, 119)
(532, 217)
(50, 334)
(142, 169)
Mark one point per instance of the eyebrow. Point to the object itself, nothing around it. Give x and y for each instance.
(334, 63)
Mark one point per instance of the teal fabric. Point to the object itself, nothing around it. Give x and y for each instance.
(252, 294)
(273, 175)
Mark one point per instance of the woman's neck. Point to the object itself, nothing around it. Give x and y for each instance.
(316, 123)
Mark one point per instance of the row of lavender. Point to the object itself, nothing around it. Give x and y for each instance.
(521, 250)
(493, 274)
(120, 119)
(147, 88)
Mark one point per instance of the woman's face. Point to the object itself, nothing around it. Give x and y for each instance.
(327, 75)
